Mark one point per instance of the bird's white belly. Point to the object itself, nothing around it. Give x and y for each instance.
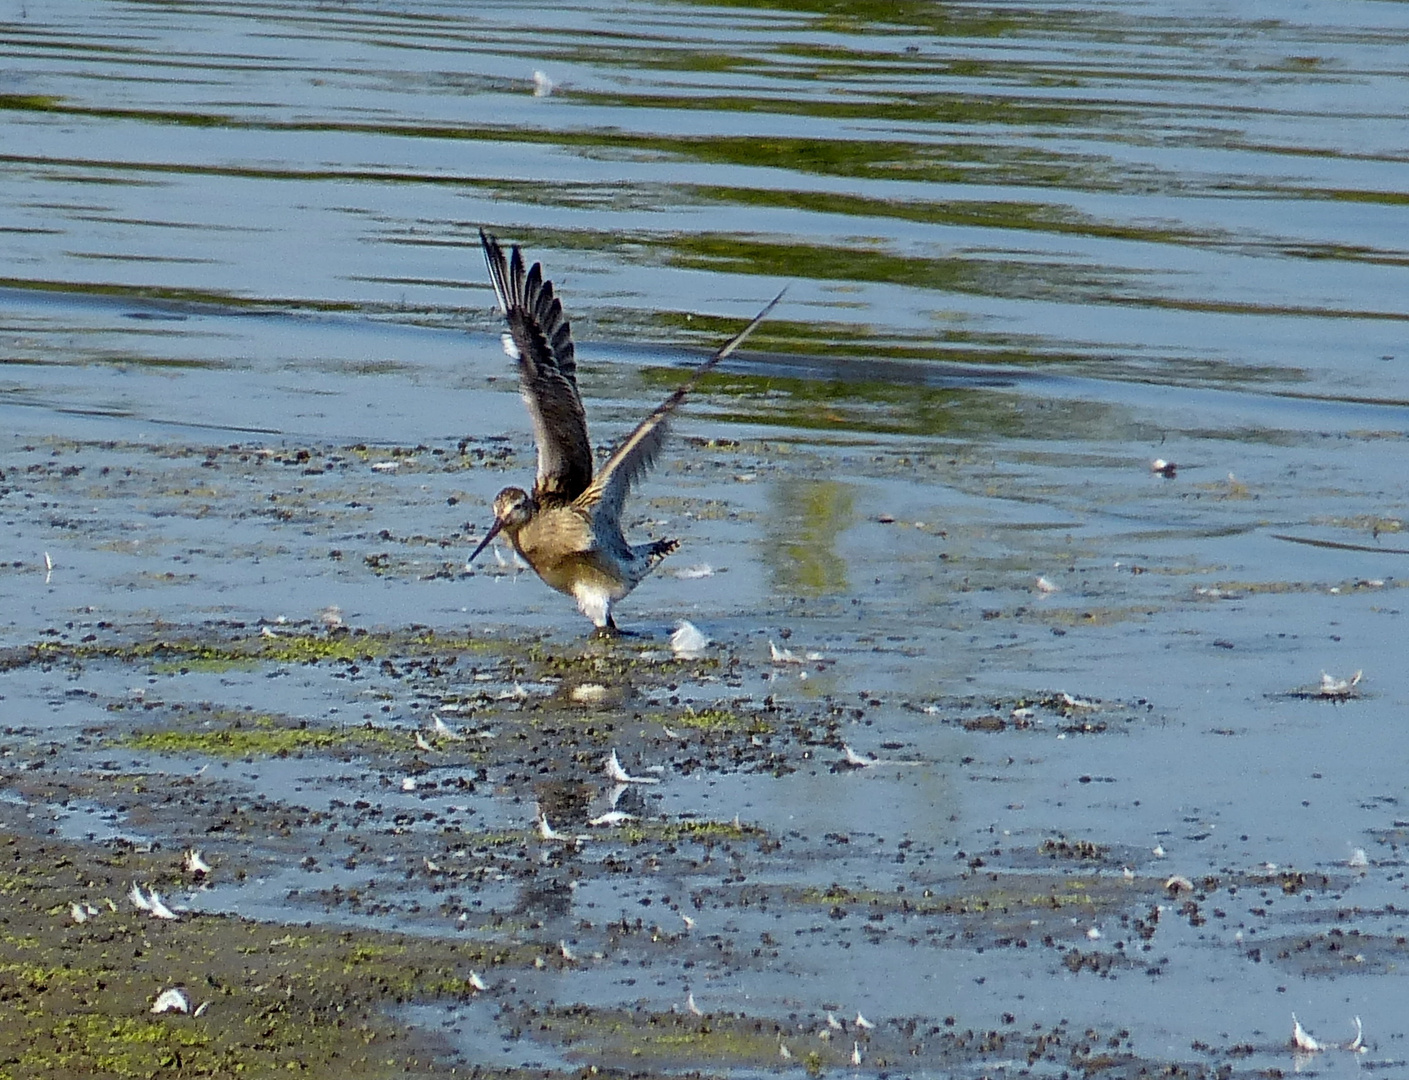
(594, 600)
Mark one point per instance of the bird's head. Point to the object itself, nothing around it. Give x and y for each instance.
(512, 509)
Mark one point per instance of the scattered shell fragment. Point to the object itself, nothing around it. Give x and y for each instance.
(1216, 594)
(617, 774)
(1331, 687)
(408, 783)
(514, 562)
(612, 818)
(589, 693)
(445, 731)
(158, 909)
(689, 641)
(547, 832)
(173, 1000)
(1302, 1040)
(853, 760)
(1357, 1044)
(787, 656)
(782, 656)
(1079, 703)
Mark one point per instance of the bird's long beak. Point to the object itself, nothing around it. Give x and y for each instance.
(490, 535)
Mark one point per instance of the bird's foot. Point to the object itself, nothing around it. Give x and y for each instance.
(659, 549)
(611, 631)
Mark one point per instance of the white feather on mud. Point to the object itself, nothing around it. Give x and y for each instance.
(618, 775)
(688, 642)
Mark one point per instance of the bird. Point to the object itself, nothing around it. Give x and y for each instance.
(568, 528)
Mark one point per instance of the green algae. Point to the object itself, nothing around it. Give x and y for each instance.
(722, 720)
(636, 1039)
(263, 736)
(1346, 587)
(76, 998)
(699, 832)
(657, 1039)
(1081, 850)
(1088, 615)
(216, 652)
(1004, 894)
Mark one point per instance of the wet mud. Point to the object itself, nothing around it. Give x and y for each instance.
(1009, 755)
(501, 848)
(360, 873)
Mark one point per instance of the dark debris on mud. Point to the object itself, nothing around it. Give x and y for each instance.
(461, 831)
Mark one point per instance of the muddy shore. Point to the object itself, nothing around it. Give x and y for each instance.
(933, 844)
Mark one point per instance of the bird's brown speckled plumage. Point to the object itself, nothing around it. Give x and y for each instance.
(569, 527)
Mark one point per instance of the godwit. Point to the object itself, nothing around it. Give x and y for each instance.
(569, 528)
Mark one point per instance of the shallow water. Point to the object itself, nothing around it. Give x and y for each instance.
(1028, 250)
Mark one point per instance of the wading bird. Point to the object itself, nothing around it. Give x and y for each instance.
(569, 528)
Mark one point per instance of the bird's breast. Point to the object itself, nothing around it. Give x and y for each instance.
(560, 545)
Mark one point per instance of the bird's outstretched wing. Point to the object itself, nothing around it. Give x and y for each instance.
(540, 339)
(631, 460)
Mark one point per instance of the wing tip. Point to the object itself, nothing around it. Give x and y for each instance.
(754, 323)
(498, 267)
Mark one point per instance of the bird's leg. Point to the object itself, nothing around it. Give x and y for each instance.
(609, 630)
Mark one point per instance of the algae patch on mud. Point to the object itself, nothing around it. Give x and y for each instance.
(626, 1038)
(263, 736)
(230, 648)
(76, 997)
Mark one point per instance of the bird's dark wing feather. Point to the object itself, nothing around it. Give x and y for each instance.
(633, 458)
(540, 338)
